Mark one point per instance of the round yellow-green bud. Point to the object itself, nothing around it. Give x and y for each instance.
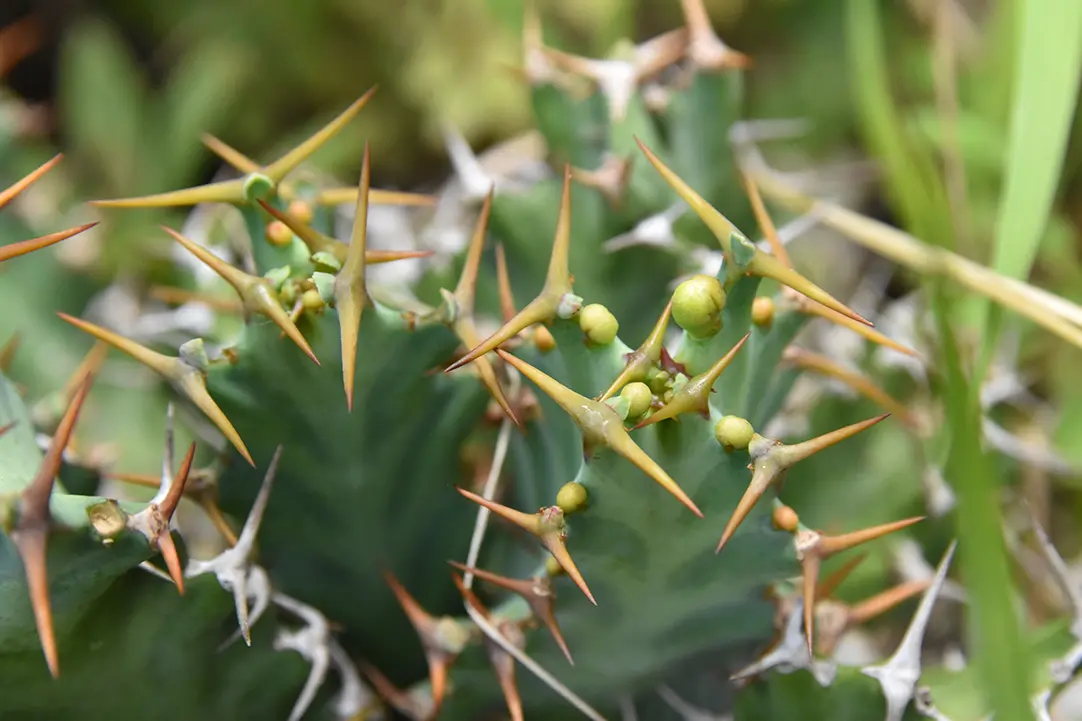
(542, 338)
(553, 567)
(571, 498)
(599, 325)
(659, 382)
(311, 299)
(762, 312)
(638, 396)
(697, 304)
(301, 210)
(733, 433)
(785, 518)
(278, 234)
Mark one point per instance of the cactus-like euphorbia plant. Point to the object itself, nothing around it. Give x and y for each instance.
(556, 514)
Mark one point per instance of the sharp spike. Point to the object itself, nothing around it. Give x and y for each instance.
(438, 655)
(807, 360)
(543, 308)
(185, 378)
(282, 167)
(466, 289)
(375, 257)
(831, 545)
(227, 191)
(694, 396)
(503, 279)
(347, 196)
(238, 160)
(789, 455)
(350, 294)
(24, 247)
(256, 293)
(886, 600)
(647, 355)
(31, 532)
(600, 425)
(167, 508)
(761, 264)
(830, 584)
(9, 193)
(705, 48)
(809, 565)
(869, 333)
(766, 223)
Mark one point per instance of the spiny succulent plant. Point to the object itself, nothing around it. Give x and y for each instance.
(425, 511)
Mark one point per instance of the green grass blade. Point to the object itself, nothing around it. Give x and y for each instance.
(1046, 82)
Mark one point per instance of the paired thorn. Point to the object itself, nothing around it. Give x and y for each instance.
(350, 293)
(758, 262)
(694, 396)
(235, 191)
(771, 460)
(611, 178)
(233, 568)
(462, 321)
(327, 196)
(187, 379)
(647, 356)
(600, 426)
(502, 662)
(160, 514)
(550, 302)
(898, 677)
(257, 294)
(31, 532)
(617, 79)
(812, 548)
(443, 639)
(549, 528)
(705, 49)
(833, 619)
(12, 191)
(537, 592)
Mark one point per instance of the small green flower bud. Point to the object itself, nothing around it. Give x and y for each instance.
(301, 210)
(697, 304)
(288, 292)
(107, 519)
(542, 338)
(553, 567)
(639, 397)
(784, 518)
(571, 497)
(762, 312)
(599, 325)
(278, 234)
(733, 433)
(311, 300)
(659, 382)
